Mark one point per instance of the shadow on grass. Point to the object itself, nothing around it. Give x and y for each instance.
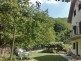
(50, 58)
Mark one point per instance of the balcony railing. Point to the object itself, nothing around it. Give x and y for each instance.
(74, 36)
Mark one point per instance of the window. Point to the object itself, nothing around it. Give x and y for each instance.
(74, 12)
(79, 6)
(74, 28)
(80, 27)
(73, 45)
(67, 0)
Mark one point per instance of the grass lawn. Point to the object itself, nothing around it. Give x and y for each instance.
(43, 57)
(47, 57)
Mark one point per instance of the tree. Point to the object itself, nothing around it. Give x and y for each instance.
(10, 15)
(62, 29)
(37, 29)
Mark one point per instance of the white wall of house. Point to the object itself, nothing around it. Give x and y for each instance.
(79, 47)
(77, 18)
(75, 22)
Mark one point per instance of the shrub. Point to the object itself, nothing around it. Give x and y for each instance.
(67, 47)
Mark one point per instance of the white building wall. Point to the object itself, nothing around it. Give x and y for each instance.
(77, 18)
(75, 22)
(79, 47)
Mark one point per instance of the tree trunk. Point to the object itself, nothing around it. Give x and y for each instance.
(12, 46)
(1, 38)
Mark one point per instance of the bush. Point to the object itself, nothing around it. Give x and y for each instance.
(67, 47)
(59, 46)
(53, 48)
(56, 47)
(49, 51)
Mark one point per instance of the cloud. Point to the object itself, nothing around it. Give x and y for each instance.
(45, 1)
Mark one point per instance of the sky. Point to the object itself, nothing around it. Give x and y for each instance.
(55, 9)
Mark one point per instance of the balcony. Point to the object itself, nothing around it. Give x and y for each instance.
(74, 34)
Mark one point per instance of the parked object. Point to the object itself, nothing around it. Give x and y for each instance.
(22, 53)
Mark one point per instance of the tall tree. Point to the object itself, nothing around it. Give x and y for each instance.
(62, 29)
(24, 25)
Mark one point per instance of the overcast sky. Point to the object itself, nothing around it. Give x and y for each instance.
(55, 9)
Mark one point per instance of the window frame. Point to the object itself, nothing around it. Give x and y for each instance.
(74, 12)
(79, 7)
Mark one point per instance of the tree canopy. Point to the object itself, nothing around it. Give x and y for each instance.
(62, 29)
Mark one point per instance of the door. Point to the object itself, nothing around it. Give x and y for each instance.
(76, 48)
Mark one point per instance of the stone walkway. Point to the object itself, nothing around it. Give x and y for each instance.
(69, 58)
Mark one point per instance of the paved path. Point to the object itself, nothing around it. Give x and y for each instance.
(65, 56)
(37, 50)
(69, 57)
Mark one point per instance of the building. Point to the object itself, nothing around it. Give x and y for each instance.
(75, 19)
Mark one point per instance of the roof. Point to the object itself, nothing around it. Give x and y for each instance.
(71, 10)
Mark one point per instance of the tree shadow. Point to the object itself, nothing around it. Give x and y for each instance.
(50, 58)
